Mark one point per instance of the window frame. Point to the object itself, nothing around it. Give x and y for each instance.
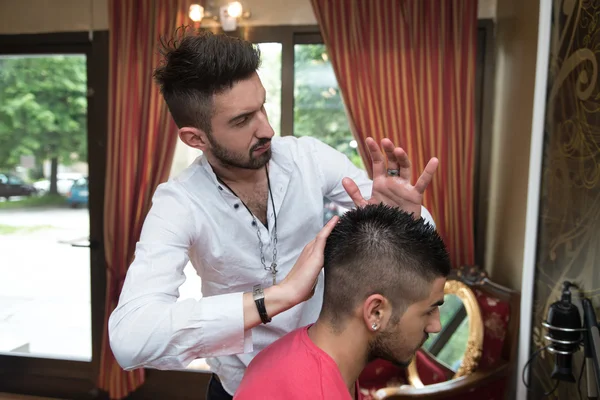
(56, 377)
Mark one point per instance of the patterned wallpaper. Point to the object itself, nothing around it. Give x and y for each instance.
(569, 221)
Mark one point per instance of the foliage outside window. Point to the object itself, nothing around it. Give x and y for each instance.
(43, 112)
(318, 106)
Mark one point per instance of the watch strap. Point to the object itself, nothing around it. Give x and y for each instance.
(259, 299)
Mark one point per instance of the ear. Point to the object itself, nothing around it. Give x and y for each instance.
(376, 312)
(194, 137)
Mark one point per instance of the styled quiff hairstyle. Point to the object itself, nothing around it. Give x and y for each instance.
(197, 66)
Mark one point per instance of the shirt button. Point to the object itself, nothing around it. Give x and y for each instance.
(220, 187)
(236, 206)
(253, 223)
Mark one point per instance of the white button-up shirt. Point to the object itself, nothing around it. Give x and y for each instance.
(195, 218)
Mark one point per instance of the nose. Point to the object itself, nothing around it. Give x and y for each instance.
(265, 130)
(434, 326)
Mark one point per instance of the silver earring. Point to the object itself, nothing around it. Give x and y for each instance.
(374, 326)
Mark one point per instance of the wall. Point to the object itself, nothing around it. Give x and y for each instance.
(35, 16)
(568, 217)
(516, 46)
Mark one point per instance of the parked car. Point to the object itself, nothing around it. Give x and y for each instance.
(13, 186)
(64, 181)
(78, 195)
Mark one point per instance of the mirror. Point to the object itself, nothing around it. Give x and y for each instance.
(456, 349)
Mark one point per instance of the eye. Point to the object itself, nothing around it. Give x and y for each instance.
(432, 311)
(243, 121)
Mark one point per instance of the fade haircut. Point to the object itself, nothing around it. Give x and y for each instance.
(379, 249)
(197, 66)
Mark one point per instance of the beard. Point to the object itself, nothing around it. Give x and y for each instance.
(230, 159)
(387, 346)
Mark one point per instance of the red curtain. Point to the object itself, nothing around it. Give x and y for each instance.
(406, 71)
(141, 144)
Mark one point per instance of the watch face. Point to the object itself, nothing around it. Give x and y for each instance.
(257, 292)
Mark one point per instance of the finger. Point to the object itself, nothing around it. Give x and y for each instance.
(376, 158)
(389, 149)
(319, 244)
(352, 189)
(427, 175)
(404, 164)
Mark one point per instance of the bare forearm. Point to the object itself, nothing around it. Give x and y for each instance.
(276, 302)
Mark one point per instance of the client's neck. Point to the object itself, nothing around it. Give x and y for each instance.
(348, 347)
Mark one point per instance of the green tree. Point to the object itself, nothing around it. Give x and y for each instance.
(43, 110)
(318, 106)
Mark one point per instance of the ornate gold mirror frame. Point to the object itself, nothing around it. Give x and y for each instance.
(475, 340)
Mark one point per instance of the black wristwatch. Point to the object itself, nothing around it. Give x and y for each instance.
(259, 299)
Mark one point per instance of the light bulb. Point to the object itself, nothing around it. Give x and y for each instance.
(196, 12)
(234, 9)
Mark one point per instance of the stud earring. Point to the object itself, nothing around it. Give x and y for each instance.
(374, 326)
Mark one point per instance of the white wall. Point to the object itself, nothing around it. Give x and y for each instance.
(516, 49)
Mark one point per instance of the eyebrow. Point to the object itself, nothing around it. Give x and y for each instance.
(438, 303)
(247, 113)
(240, 116)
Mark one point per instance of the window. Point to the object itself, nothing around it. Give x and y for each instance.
(13, 180)
(44, 116)
(318, 107)
(52, 265)
(270, 75)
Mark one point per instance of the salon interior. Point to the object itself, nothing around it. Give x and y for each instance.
(503, 92)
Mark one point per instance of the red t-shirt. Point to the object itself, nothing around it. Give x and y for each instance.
(293, 367)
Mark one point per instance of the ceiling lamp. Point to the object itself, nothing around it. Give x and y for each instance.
(228, 15)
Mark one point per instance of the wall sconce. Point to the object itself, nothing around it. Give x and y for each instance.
(228, 14)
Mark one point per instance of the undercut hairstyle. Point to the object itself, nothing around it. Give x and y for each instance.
(379, 249)
(197, 66)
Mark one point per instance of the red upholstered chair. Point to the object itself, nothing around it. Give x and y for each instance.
(430, 370)
(379, 374)
(499, 307)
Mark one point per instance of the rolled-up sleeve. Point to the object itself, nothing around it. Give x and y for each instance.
(149, 327)
(333, 166)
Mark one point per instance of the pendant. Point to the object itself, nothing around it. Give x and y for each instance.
(274, 272)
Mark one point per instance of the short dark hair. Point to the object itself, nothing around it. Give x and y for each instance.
(198, 65)
(378, 249)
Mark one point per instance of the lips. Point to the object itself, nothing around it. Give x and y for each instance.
(262, 148)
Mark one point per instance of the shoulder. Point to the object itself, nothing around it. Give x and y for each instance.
(284, 368)
(175, 201)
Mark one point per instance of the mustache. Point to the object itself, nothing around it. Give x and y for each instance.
(260, 143)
